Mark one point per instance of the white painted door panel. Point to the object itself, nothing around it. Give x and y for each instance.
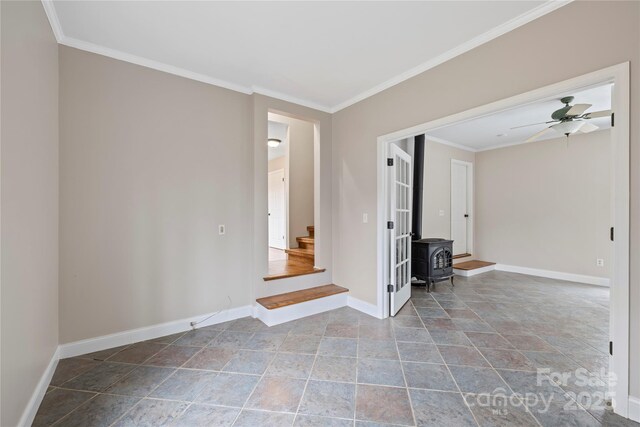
(459, 209)
(400, 175)
(277, 210)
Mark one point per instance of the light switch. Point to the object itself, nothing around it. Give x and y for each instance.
(365, 218)
(221, 229)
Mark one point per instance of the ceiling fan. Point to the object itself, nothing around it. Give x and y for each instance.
(569, 119)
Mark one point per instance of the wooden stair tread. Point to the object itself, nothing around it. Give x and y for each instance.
(472, 265)
(461, 256)
(306, 239)
(297, 297)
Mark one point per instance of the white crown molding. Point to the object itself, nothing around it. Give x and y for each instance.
(510, 25)
(496, 32)
(451, 144)
(52, 16)
(149, 63)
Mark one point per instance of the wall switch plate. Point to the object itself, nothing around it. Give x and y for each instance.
(600, 262)
(365, 218)
(221, 229)
(441, 212)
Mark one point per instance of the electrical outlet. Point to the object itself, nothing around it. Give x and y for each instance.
(441, 213)
(365, 218)
(221, 229)
(600, 262)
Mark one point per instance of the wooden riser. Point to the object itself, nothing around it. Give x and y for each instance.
(306, 242)
(297, 297)
(311, 229)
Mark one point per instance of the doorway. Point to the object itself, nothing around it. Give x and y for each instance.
(291, 196)
(619, 274)
(461, 207)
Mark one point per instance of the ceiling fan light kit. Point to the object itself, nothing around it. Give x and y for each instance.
(570, 119)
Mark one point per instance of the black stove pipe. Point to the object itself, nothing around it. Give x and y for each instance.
(418, 178)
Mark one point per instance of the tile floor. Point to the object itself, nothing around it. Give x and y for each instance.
(455, 357)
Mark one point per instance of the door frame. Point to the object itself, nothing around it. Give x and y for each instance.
(620, 298)
(469, 166)
(286, 206)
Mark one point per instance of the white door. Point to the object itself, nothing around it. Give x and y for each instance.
(277, 210)
(399, 226)
(460, 206)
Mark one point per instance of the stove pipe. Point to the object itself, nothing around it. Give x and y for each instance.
(418, 177)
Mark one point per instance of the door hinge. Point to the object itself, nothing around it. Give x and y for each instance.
(282, 179)
(613, 119)
(389, 225)
(611, 348)
(389, 288)
(611, 234)
(389, 162)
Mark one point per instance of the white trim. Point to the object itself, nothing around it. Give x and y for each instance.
(149, 63)
(450, 144)
(298, 311)
(634, 409)
(470, 187)
(559, 275)
(498, 31)
(131, 336)
(619, 312)
(364, 307)
(512, 24)
(474, 272)
(29, 413)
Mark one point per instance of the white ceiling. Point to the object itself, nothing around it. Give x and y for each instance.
(325, 55)
(279, 131)
(482, 133)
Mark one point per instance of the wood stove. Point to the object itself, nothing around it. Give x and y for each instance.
(432, 260)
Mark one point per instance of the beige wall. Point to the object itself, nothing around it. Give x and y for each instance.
(150, 164)
(29, 213)
(437, 187)
(514, 63)
(547, 204)
(277, 164)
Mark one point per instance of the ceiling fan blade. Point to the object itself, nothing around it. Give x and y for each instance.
(534, 124)
(596, 114)
(538, 135)
(588, 127)
(577, 109)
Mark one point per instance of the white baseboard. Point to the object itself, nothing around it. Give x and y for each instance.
(469, 273)
(149, 332)
(365, 307)
(634, 409)
(580, 278)
(31, 409)
(298, 311)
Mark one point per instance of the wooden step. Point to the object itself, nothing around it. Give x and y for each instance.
(472, 265)
(311, 229)
(290, 298)
(461, 256)
(307, 242)
(300, 254)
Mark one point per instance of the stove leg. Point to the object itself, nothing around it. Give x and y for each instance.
(452, 284)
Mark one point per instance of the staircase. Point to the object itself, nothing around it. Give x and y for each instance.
(305, 252)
